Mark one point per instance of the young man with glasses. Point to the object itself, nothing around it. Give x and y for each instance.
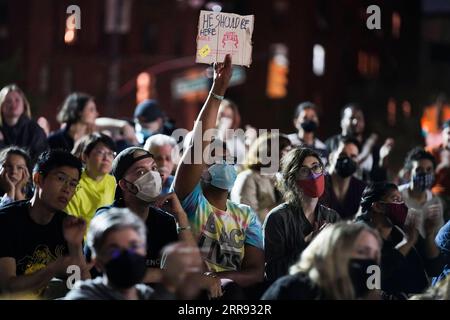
(290, 227)
(38, 240)
(97, 185)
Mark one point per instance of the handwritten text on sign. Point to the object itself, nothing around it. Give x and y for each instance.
(224, 33)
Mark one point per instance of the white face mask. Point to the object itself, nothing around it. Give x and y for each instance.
(149, 186)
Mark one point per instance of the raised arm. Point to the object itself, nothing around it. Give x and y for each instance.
(189, 171)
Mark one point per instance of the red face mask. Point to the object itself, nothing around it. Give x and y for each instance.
(396, 212)
(313, 186)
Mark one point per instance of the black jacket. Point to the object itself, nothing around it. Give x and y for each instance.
(26, 134)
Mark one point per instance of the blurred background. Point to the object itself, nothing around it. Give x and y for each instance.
(318, 50)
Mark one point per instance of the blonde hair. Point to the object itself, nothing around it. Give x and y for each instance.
(326, 259)
(10, 88)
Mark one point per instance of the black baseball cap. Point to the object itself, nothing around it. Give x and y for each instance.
(124, 160)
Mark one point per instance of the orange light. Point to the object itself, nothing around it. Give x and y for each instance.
(143, 86)
(277, 80)
(71, 33)
(69, 36)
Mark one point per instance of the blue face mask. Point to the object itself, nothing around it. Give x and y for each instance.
(223, 176)
(143, 134)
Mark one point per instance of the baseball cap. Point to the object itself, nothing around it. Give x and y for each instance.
(148, 110)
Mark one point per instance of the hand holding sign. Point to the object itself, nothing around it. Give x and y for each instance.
(224, 33)
(222, 76)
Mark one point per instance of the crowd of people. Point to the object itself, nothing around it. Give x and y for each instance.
(124, 210)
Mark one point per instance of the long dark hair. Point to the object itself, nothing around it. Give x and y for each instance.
(72, 108)
(290, 165)
(372, 193)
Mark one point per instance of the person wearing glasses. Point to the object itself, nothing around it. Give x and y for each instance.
(97, 185)
(228, 234)
(38, 240)
(290, 227)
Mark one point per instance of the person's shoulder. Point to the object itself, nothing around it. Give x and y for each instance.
(328, 214)
(239, 207)
(403, 189)
(357, 184)
(89, 289)
(109, 180)
(14, 208)
(319, 144)
(160, 214)
(282, 208)
(332, 139)
(34, 126)
(245, 174)
(104, 209)
(279, 212)
(56, 135)
(295, 286)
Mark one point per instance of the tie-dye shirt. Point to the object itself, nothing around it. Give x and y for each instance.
(221, 235)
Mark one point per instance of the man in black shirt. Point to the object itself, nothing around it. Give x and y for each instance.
(38, 241)
(139, 185)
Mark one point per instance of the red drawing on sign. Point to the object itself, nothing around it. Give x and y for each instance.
(230, 36)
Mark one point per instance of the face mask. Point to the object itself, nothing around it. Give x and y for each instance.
(309, 125)
(223, 176)
(396, 212)
(149, 186)
(423, 181)
(126, 270)
(359, 275)
(345, 167)
(313, 186)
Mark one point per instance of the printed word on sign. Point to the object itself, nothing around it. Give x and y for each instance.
(224, 33)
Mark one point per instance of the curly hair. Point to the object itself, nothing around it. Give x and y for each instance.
(290, 166)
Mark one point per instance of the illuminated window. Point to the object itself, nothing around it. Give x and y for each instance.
(277, 77)
(318, 60)
(70, 35)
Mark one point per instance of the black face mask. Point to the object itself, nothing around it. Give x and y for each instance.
(359, 275)
(309, 126)
(126, 270)
(345, 167)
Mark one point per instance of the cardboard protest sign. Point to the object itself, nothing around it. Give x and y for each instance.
(222, 33)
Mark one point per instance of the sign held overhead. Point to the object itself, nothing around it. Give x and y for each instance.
(222, 33)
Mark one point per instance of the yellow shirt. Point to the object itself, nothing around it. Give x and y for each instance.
(91, 196)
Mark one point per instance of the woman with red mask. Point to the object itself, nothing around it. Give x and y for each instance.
(291, 226)
(407, 258)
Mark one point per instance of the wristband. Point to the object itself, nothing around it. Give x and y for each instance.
(216, 96)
